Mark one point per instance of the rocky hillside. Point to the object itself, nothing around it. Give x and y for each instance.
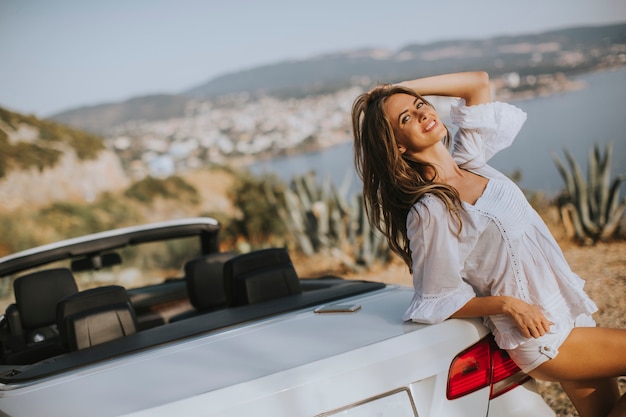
(42, 161)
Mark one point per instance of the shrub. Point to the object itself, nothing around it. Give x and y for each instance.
(258, 221)
(70, 220)
(172, 188)
(114, 212)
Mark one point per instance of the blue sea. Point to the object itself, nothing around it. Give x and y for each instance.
(574, 120)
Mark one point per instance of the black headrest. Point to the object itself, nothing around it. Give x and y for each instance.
(95, 315)
(260, 276)
(37, 295)
(91, 299)
(205, 280)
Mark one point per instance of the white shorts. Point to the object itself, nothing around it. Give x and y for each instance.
(532, 353)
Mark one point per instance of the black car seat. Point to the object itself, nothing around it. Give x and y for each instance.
(31, 320)
(204, 277)
(205, 280)
(258, 276)
(95, 316)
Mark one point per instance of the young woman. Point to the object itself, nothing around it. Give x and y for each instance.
(474, 245)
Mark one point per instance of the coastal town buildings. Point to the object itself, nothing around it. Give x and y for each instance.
(234, 129)
(240, 129)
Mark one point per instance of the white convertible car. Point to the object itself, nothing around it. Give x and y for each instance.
(153, 320)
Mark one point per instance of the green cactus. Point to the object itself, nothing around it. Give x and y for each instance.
(592, 206)
(320, 218)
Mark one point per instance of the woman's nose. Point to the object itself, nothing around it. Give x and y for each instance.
(422, 114)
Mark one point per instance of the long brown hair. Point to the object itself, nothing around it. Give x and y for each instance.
(392, 183)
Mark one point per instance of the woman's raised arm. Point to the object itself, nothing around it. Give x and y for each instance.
(473, 87)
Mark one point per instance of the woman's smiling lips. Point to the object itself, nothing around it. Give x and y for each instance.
(430, 126)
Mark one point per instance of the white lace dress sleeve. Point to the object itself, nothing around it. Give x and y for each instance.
(484, 130)
(439, 289)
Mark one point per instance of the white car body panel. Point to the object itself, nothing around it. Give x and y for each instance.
(277, 358)
(299, 364)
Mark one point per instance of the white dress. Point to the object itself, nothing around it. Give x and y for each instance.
(504, 247)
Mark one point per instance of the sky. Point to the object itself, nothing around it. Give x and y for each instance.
(63, 54)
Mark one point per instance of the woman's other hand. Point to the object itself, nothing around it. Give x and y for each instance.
(528, 318)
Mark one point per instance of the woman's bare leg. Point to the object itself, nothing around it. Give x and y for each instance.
(587, 365)
(587, 353)
(620, 408)
(593, 398)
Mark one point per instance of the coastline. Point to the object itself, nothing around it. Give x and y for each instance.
(544, 87)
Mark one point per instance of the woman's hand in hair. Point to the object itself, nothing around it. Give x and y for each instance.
(473, 87)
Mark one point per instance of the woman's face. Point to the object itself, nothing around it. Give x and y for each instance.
(415, 124)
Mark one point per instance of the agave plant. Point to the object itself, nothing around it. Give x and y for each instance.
(323, 219)
(592, 206)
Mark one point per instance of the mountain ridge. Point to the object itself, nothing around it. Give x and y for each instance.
(582, 36)
(570, 51)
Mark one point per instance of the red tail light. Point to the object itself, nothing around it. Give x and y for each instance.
(480, 366)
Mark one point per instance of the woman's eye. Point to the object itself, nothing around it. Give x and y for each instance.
(405, 119)
(420, 104)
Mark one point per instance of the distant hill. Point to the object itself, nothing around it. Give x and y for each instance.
(526, 54)
(570, 51)
(43, 161)
(102, 117)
